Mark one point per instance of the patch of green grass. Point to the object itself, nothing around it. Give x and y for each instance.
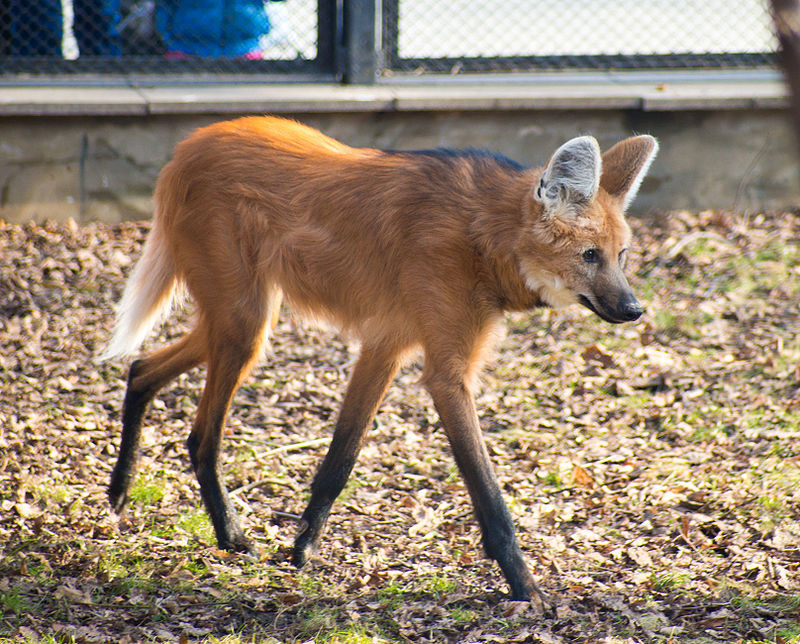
(789, 634)
(453, 474)
(552, 478)
(123, 569)
(135, 578)
(701, 248)
(315, 622)
(356, 634)
(239, 639)
(706, 433)
(636, 401)
(766, 269)
(147, 490)
(354, 483)
(769, 254)
(196, 567)
(392, 595)
(138, 575)
(762, 418)
(310, 585)
(461, 615)
(688, 324)
(648, 288)
(436, 585)
(779, 605)
(773, 505)
(197, 523)
(54, 494)
(111, 567)
(12, 602)
(39, 568)
(25, 639)
(782, 450)
(665, 321)
(669, 582)
(781, 478)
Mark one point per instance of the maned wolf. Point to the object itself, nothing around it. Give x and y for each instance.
(401, 250)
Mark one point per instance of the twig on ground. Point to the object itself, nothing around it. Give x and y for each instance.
(673, 252)
(293, 447)
(259, 483)
(286, 515)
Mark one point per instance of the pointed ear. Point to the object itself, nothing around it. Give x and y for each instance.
(625, 165)
(571, 177)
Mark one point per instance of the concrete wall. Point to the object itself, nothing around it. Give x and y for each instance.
(104, 167)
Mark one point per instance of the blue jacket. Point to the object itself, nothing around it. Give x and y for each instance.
(211, 27)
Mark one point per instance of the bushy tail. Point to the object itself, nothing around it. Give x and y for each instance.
(147, 298)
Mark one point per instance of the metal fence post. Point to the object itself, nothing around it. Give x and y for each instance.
(361, 55)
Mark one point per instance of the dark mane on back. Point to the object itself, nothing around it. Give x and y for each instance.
(472, 154)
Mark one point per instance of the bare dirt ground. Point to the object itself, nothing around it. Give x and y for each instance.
(653, 469)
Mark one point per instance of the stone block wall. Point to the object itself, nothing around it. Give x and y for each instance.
(104, 167)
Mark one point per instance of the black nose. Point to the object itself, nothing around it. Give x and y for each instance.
(631, 310)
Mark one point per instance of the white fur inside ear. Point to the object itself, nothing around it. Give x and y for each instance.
(572, 176)
(637, 182)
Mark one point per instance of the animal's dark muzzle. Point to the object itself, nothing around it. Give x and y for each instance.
(627, 309)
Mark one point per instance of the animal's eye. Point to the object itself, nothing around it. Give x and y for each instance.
(623, 257)
(591, 256)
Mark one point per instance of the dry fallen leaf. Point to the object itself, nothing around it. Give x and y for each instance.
(582, 477)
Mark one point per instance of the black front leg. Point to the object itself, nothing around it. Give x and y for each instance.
(371, 376)
(457, 412)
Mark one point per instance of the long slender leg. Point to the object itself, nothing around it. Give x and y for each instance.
(229, 362)
(456, 409)
(145, 378)
(372, 374)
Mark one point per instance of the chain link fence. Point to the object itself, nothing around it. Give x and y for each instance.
(520, 35)
(163, 36)
(204, 38)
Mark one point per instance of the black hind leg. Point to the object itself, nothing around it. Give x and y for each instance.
(145, 378)
(133, 410)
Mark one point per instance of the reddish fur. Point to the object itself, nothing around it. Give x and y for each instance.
(261, 202)
(399, 250)
(387, 247)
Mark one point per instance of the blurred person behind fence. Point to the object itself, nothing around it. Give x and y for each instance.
(212, 28)
(31, 29)
(95, 27)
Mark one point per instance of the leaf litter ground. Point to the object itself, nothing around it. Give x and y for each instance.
(653, 469)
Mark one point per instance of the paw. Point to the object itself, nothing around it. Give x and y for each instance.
(117, 499)
(523, 587)
(530, 593)
(241, 545)
(305, 546)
